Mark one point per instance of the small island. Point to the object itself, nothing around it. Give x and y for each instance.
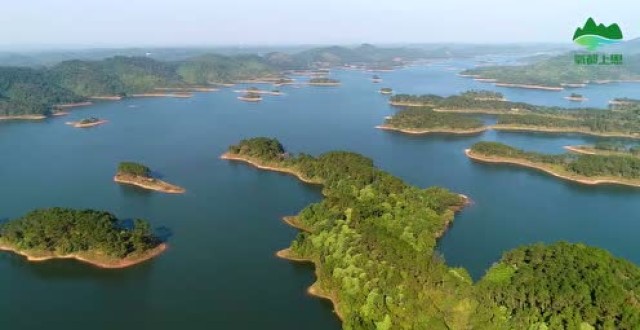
(423, 120)
(386, 91)
(583, 168)
(87, 122)
(575, 97)
(376, 79)
(139, 175)
(324, 82)
(94, 237)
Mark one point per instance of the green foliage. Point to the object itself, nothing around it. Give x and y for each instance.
(564, 286)
(373, 238)
(67, 231)
(426, 118)
(223, 69)
(25, 91)
(625, 167)
(263, 148)
(132, 168)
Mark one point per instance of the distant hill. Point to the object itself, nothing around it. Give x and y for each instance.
(214, 68)
(339, 55)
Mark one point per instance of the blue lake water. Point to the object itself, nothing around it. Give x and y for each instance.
(220, 270)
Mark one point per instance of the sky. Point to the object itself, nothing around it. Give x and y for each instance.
(102, 23)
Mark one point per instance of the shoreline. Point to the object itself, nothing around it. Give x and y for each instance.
(77, 124)
(104, 264)
(106, 98)
(24, 117)
(72, 105)
(254, 163)
(148, 183)
(528, 86)
(434, 131)
(258, 91)
(546, 169)
(408, 104)
(480, 111)
(250, 99)
(578, 150)
(176, 95)
(503, 127)
(576, 99)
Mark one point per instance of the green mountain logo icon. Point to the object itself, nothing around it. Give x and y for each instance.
(593, 36)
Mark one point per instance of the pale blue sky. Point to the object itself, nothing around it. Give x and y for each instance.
(271, 22)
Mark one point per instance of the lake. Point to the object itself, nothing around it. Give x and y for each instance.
(221, 271)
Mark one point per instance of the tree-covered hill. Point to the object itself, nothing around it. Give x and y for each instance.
(563, 286)
(214, 68)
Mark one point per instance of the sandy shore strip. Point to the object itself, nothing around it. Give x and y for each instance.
(409, 104)
(543, 168)
(187, 89)
(434, 130)
(569, 130)
(175, 95)
(579, 150)
(228, 156)
(24, 117)
(249, 99)
(98, 261)
(148, 183)
(78, 124)
(106, 98)
(527, 86)
(257, 91)
(72, 105)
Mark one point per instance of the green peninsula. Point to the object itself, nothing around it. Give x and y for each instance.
(621, 120)
(423, 120)
(583, 168)
(90, 236)
(139, 175)
(373, 237)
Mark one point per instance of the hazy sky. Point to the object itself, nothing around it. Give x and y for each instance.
(270, 22)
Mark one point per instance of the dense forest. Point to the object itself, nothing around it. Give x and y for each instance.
(560, 70)
(616, 166)
(426, 118)
(25, 91)
(67, 231)
(563, 286)
(372, 239)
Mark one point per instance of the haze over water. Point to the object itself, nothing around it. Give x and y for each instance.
(220, 270)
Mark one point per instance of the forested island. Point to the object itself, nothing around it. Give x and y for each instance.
(558, 72)
(518, 116)
(583, 168)
(87, 122)
(324, 82)
(140, 175)
(372, 240)
(90, 236)
(423, 120)
(386, 90)
(250, 96)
